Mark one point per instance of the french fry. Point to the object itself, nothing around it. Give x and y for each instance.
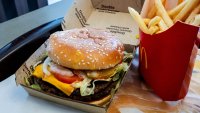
(159, 32)
(154, 21)
(139, 20)
(193, 14)
(152, 11)
(196, 21)
(154, 29)
(173, 12)
(158, 14)
(162, 25)
(182, 15)
(146, 21)
(161, 10)
(180, 1)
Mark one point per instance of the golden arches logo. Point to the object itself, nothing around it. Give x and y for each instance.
(142, 50)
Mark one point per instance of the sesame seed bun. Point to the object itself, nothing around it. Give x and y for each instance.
(85, 49)
(101, 101)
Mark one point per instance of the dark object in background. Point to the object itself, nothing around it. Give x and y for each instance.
(9, 9)
(15, 53)
(12, 8)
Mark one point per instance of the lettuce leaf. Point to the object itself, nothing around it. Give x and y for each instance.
(85, 85)
(127, 56)
(35, 86)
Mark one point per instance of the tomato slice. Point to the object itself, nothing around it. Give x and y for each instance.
(63, 74)
(67, 79)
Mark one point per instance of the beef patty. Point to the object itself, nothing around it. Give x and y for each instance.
(102, 89)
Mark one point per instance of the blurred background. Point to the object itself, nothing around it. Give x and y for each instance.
(12, 8)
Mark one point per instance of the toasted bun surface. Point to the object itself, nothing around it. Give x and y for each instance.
(101, 101)
(85, 49)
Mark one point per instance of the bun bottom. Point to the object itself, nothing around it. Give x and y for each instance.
(101, 101)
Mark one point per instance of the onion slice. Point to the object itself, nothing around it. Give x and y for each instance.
(54, 68)
(45, 65)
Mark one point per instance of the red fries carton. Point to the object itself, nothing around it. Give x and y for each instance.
(167, 59)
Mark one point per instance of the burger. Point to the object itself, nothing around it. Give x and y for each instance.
(81, 64)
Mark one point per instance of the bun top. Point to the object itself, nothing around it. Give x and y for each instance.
(85, 49)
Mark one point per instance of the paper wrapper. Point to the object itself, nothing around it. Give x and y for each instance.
(166, 60)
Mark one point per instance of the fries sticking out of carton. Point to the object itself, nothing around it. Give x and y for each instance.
(167, 45)
(191, 17)
(159, 19)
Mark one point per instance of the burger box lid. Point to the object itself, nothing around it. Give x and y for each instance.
(108, 14)
(111, 15)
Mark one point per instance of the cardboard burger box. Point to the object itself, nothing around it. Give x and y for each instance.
(111, 15)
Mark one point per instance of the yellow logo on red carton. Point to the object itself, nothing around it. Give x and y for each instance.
(143, 51)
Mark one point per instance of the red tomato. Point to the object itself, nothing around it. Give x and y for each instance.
(63, 74)
(67, 79)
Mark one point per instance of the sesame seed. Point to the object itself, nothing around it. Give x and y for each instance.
(88, 62)
(65, 56)
(69, 59)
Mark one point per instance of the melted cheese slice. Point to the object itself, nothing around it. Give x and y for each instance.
(64, 87)
(102, 74)
(38, 71)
